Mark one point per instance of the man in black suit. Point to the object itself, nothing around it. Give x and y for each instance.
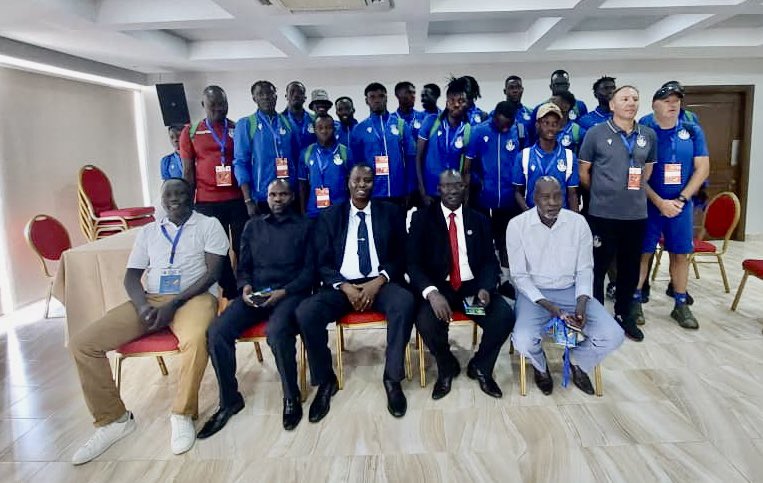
(360, 254)
(451, 258)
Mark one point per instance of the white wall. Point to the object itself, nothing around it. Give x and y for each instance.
(646, 75)
(50, 128)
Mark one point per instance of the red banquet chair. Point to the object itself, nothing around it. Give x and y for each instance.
(48, 239)
(750, 267)
(721, 219)
(363, 320)
(156, 344)
(99, 215)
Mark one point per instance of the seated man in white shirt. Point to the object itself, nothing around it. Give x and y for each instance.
(551, 263)
(182, 255)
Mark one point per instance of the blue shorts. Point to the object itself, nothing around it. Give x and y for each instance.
(678, 232)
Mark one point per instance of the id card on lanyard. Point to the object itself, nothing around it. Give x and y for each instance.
(381, 162)
(223, 173)
(634, 172)
(169, 281)
(322, 193)
(281, 162)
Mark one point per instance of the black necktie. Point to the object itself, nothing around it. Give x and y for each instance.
(364, 254)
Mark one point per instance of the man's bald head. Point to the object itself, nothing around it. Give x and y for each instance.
(452, 189)
(548, 199)
(215, 103)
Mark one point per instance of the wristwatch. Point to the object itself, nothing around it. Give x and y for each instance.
(682, 199)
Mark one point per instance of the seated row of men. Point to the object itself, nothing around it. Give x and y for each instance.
(359, 251)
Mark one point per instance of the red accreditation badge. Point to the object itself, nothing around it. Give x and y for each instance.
(223, 176)
(282, 168)
(382, 165)
(322, 197)
(634, 178)
(672, 174)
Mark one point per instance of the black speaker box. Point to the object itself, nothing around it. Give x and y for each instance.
(173, 104)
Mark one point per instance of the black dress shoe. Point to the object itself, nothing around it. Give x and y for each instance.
(629, 325)
(543, 381)
(292, 413)
(322, 402)
(445, 380)
(396, 402)
(581, 380)
(487, 383)
(219, 419)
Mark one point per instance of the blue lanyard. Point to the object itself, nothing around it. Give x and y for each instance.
(302, 127)
(630, 143)
(538, 158)
(220, 142)
(173, 242)
(459, 130)
(276, 136)
(323, 166)
(382, 137)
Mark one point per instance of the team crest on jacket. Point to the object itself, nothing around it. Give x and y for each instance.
(572, 115)
(566, 141)
(561, 165)
(683, 134)
(510, 145)
(337, 160)
(394, 130)
(641, 141)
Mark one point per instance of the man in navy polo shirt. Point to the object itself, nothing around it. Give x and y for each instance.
(443, 139)
(682, 166)
(323, 169)
(384, 142)
(489, 162)
(301, 120)
(514, 90)
(547, 157)
(266, 148)
(602, 91)
(345, 111)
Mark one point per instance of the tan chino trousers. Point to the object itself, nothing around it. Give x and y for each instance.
(122, 324)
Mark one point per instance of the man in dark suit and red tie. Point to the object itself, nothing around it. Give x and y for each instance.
(452, 261)
(360, 253)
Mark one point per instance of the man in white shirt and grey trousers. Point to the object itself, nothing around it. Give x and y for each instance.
(551, 262)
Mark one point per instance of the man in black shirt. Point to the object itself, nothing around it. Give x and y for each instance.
(275, 273)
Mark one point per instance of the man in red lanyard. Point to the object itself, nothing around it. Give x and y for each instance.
(206, 148)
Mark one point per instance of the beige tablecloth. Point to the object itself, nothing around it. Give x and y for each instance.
(89, 281)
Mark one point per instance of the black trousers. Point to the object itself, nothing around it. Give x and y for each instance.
(233, 216)
(328, 305)
(497, 324)
(499, 220)
(281, 334)
(621, 239)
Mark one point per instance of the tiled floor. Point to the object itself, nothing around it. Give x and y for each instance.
(681, 406)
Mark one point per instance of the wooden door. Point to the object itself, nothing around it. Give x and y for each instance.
(725, 113)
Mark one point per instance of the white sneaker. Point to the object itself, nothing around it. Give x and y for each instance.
(183, 433)
(102, 439)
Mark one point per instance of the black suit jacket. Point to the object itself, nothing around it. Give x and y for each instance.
(388, 223)
(428, 250)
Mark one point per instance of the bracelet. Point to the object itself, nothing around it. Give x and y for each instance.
(248, 200)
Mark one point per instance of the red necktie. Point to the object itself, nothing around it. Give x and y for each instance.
(455, 268)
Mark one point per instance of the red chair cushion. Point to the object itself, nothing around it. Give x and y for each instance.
(162, 341)
(719, 217)
(701, 246)
(129, 212)
(96, 186)
(49, 237)
(755, 267)
(256, 330)
(140, 221)
(368, 317)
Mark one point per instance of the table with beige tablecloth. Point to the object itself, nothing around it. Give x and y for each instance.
(89, 281)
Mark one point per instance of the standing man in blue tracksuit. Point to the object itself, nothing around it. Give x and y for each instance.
(443, 140)
(570, 134)
(474, 114)
(171, 164)
(429, 95)
(489, 164)
(384, 142)
(345, 111)
(323, 169)
(266, 147)
(602, 91)
(513, 89)
(406, 99)
(560, 82)
(301, 120)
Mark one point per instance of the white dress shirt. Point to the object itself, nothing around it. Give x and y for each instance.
(550, 258)
(350, 268)
(151, 251)
(463, 257)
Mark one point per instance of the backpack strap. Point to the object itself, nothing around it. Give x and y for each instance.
(568, 173)
(467, 136)
(309, 152)
(435, 127)
(526, 164)
(252, 126)
(576, 133)
(194, 128)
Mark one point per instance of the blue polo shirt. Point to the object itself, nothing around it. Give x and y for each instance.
(325, 167)
(571, 136)
(533, 163)
(343, 133)
(578, 111)
(446, 146)
(597, 116)
(493, 155)
(684, 116)
(172, 166)
(522, 125)
(305, 129)
(413, 119)
(678, 145)
(254, 158)
(385, 136)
